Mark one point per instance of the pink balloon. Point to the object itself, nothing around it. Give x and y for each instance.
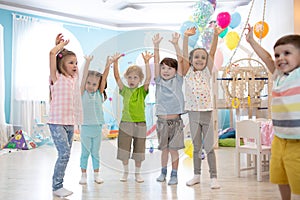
(223, 19)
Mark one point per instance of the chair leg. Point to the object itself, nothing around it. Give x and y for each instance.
(238, 164)
(259, 167)
(248, 161)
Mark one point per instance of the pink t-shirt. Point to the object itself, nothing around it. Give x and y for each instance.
(198, 90)
(65, 104)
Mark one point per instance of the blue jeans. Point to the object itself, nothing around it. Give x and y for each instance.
(62, 136)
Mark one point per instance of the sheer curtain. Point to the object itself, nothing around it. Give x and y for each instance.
(3, 133)
(32, 40)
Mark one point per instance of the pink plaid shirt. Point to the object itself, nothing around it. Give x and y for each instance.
(65, 105)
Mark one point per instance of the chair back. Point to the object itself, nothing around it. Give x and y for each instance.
(249, 132)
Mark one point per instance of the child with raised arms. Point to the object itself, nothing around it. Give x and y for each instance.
(132, 128)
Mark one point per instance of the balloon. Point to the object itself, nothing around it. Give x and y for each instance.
(207, 37)
(261, 29)
(193, 39)
(223, 19)
(235, 20)
(203, 12)
(188, 148)
(213, 3)
(110, 99)
(221, 35)
(232, 39)
(218, 59)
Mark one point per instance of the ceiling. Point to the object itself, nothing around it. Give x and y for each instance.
(119, 13)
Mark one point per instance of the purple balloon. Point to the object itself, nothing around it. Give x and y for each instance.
(213, 3)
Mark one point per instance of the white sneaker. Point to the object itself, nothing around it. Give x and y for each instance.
(62, 192)
(83, 179)
(139, 178)
(214, 184)
(124, 177)
(98, 180)
(195, 180)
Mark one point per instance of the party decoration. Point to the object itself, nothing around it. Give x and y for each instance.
(188, 148)
(207, 37)
(213, 3)
(235, 20)
(224, 32)
(223, 19)
(193, 39)
(232, 39)
(203, 11)
(261, 29)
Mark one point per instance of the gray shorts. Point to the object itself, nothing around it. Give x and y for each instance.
(170, 133)
(132, 133)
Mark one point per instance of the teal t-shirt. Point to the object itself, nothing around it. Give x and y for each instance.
(92, 108)
(133, 104)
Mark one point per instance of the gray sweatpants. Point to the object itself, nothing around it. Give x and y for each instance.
(201, 127)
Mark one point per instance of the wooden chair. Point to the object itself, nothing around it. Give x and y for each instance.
(248, 141)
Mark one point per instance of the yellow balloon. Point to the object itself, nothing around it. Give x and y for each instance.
(232, 40)
(189, 148)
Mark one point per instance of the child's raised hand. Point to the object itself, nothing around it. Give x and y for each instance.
(59, 38)
(147, 56)
(218, 30)
(88, 58)
(190, 31)
(156, 39)
(249, 35)
(115, 57)
(62, 44)
(175, 38)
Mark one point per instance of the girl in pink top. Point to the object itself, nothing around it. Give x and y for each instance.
(65, 108)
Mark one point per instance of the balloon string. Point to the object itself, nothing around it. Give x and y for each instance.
(247, 21)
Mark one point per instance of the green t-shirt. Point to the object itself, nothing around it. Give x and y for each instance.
(133, 104)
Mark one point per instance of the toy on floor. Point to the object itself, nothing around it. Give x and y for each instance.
(20, 140)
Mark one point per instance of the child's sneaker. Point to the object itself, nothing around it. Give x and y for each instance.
(83, 179)
(97, 179)
(195, 180)
(138, 178)
(161, 178)
(124, 177)
(214, 184)
(173, 180)
(62, 192)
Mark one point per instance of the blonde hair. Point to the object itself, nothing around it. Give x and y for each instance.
(134, 69)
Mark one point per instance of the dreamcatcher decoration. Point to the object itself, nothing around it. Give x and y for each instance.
(243, 80)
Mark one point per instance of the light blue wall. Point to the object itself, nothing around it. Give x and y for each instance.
(6, 22)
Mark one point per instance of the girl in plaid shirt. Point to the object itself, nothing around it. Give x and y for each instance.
(65, 108)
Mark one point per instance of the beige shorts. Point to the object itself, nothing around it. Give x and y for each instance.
(132, 133)
(170, 133)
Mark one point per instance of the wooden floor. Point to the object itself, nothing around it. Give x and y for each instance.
(27, 175)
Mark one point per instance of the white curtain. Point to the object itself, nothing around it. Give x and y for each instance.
(3, 132)
(32, 40)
